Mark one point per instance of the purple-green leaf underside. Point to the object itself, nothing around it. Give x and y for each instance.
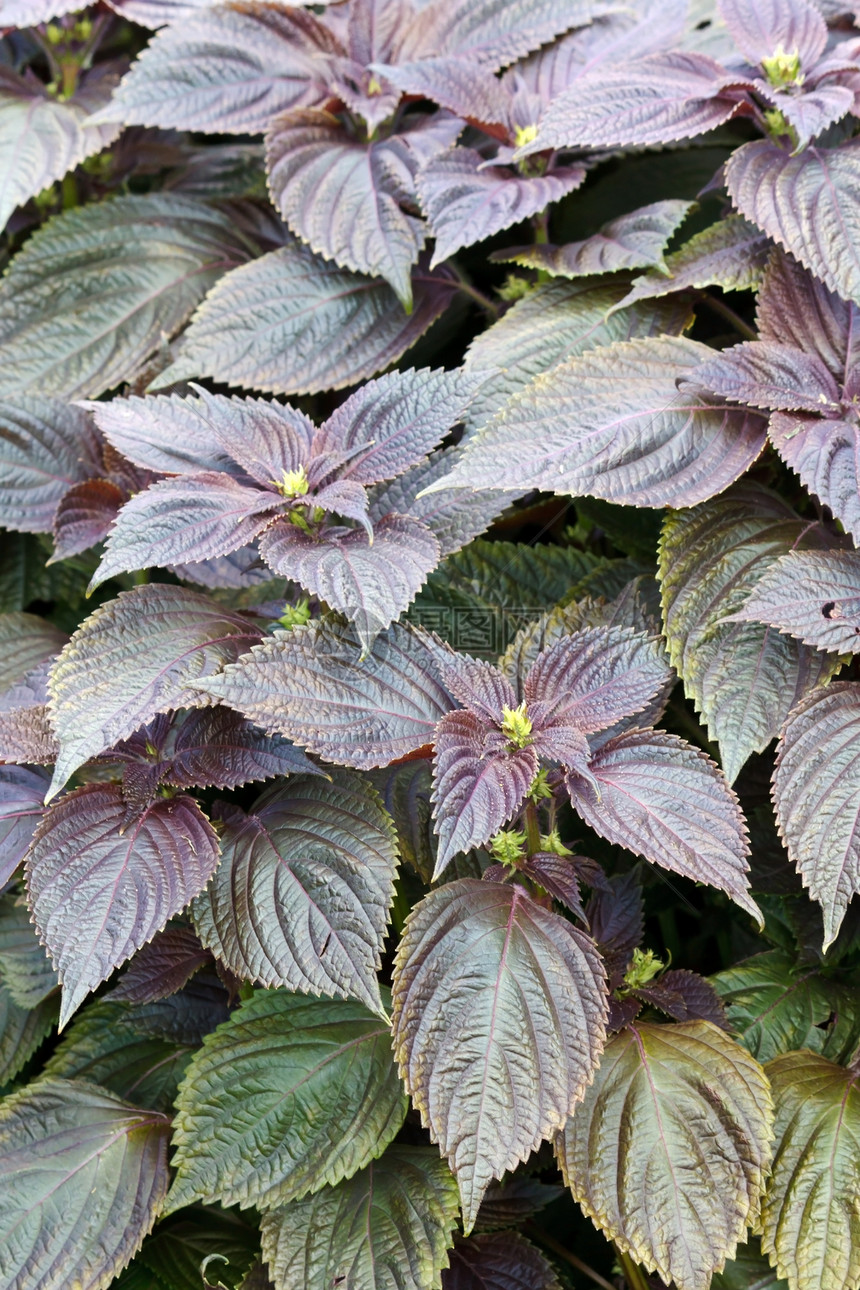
(499, 1008)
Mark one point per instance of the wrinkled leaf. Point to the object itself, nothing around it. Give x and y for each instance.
(628, 242)
(498, 1261)
(22, 796)
(162, 967)
(25, 968)
(730, 254)
(515, 1000)
(287, 1096)
(669, 1152)
(45, 448)
(812, 595)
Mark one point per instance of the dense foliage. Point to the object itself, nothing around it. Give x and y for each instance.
(428, 861)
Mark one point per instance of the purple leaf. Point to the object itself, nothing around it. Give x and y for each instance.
(667, 801)
(809, 203)
(815, 791)
(657, 99)
(455, 518)
(730, 254)
(769, 375)
(811, 112)
(616, 921)
(238, 571)
(762, 27)
(166, 433)
(162, 967)
(559, 876)
(343, 197)
(371, 583)
(498, 1023)
(227, 70)
(825, 455)
(45, 447)
(794, 308)
(76, 266)
(492, 33)
(27, 13)
(134, 657)
(262, 328)
(311, 685)
(302, 896)
(22, 796)
(685, 996)
(813, 595)
(26, 734)
(498, 1261)
(102, 884)
(84, 516)
(184, 519)
(596, 677)
(629, 242)
(478, 783)
(612, 423)
(215, 747)
(477, 685)
(397, 419)
(466, 202)
(43, 137)
(457, 84)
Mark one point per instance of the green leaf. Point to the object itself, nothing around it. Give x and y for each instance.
(22, 1031)
(109, 1045)
(302, 894)
(294, 323)
(84, 1176)
(97, 290)
(775, 1005)
(749, 1270)
(811, 1213)
(669, 1151)
(25, 968)
(290, 1094)
(499, 1011)
(172, 1256)
(743, 677)
(386, 1228)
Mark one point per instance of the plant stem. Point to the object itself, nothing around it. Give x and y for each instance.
(725, 311)
(530, 820)
(541, 227)
(569, 1257)
(636, 1278)
(478, 296)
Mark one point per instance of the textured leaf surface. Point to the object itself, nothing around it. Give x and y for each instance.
(302, 895)
(288, 1095)
(612, 424)
(101, 884)
(25, 969)
(22, 796)
(22, 1030)
(813, 595)
(743, 677)
(227, 70)
(86, 1175)
(26, 640)
(815, 791)
(162, 967)
(656, 99)
(494, 32)
(138, 655)
(41, 137)
(664, 799)
(372, 583)
(498, 1261)
(387, 1226)
(555, 322)
(466, 202)
(45, 448)
(760, 28)
(294, 323)
(794, 308)
(687, 1111)
(25, 13)
(809, 1219)
(628, 242)
(776, 1005)
(730, 254)
(824, 453)
(309, 685)
(808, 203)
(499, 1010)
(769, 375)
(95, 291)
